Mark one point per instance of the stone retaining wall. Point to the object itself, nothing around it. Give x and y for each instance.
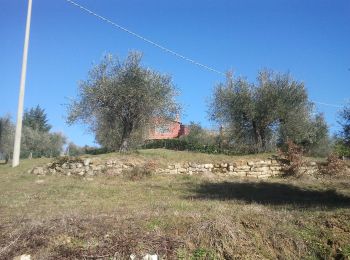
(91, 167)
(255, 169)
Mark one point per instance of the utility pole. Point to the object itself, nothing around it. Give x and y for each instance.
(17, 145)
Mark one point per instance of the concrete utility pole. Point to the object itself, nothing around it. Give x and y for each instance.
(17, 145)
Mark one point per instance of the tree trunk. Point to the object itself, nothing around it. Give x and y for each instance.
(124, 146)
(257, 138)
(263, 140)
(7, 158)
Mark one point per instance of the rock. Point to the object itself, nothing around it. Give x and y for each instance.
(22, 257)
(260, 169)
(243, 168)
(38, 171)
(87, 162)
(239, 174)
(276, 168)
(150, 257)
(79, 165)
(90, 173)
(264, 176)
(193, 164)
(223, 165)
(312, 163)
(173, 171)
(39, 181)
(208, 166)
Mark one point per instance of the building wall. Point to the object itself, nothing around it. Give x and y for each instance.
(166, 129)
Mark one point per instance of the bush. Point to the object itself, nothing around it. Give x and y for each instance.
(183, 145)
(294, 156)
(96, 151)
(137, 173)
(334, 166)
(342, 149)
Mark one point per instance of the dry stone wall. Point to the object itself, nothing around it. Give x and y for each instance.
(255, 169)
(91, 167)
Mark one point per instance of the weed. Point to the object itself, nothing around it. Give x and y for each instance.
(333, 166)
(137, 173)
(294, 155)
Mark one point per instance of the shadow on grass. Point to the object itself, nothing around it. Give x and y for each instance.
(271, 194)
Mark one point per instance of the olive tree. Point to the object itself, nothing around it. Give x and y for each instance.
(261, 115)
(35, 143)
(119, 98)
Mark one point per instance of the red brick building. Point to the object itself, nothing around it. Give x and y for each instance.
(167, 129)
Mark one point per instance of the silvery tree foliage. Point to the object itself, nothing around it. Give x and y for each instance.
(119, 98)
(264, 114)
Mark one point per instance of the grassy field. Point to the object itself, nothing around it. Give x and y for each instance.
(177, 217)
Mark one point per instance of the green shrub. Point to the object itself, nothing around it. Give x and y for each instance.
(183, 145)
(342, 149)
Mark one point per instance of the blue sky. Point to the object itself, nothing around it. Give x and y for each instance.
(310, 39)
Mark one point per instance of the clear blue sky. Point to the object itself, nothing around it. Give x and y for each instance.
(310, 39)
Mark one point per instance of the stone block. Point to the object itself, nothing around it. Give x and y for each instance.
(243, 168)
(208, 166)
(38, 171)
(223, 165)
(87, 162)
(173, 171)
(239, 174)
(260, 169)
(177, 166)
(276, 168)
(264, 176)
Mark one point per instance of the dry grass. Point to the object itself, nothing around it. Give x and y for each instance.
(177, 217)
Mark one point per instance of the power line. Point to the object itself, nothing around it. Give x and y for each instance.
(145, 39)
(162, 47)
(327, 104)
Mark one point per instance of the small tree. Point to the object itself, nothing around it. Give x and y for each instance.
(342, 140)
(345, 123)
(119, 99)
(198, 135)
(36, 119)
(6, 137)
(74, 150)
